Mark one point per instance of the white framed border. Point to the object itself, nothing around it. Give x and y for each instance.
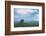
(25, 28)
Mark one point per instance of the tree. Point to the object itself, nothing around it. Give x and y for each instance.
(22, 20)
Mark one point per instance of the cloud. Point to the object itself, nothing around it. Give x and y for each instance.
(24, 11)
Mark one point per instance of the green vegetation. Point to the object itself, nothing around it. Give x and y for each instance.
(26, 24)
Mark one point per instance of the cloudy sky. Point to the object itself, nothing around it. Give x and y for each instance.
(27, 14)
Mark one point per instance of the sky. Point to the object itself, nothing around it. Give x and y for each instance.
(28, 14)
